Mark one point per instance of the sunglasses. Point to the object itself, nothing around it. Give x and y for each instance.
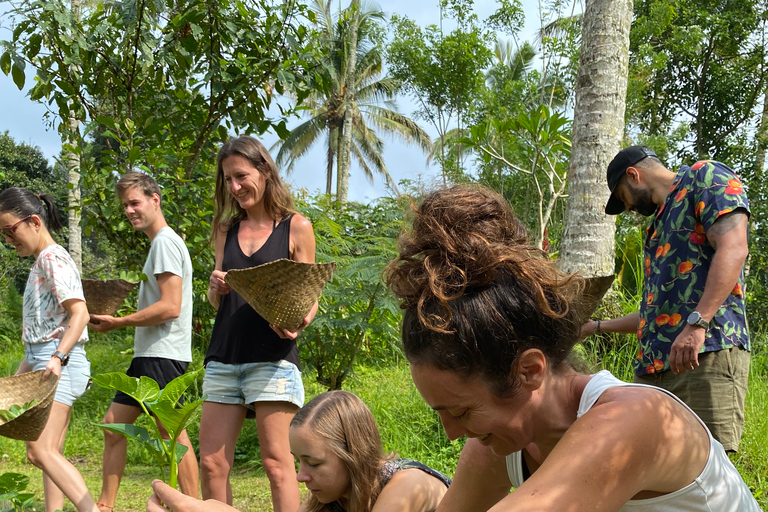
(10, 231)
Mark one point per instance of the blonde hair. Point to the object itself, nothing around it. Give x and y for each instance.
(277, 201)
(348, 425)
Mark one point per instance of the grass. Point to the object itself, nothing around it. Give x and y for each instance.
(407, 425)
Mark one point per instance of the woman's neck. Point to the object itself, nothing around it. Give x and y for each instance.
(45, 240)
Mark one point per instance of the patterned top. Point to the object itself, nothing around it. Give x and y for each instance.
(389, 469)
(677, 260)
(52, 280)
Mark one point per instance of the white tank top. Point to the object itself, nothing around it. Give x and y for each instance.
(719, 487)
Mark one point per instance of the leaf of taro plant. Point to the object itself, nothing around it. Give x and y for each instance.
(141, 390)
(175, 419)
(176, 388)
(141, 434)
(181, 450)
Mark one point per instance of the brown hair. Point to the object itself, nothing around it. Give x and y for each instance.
(348, 425)
(476, 294)
(277, 200)
(138, 180)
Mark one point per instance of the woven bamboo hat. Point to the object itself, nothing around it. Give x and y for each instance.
(103, 297)
(281, 291)
(19, 390)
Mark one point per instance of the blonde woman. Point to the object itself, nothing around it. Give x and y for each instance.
(336, 443)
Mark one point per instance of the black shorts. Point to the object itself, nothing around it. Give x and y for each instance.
(160, 369)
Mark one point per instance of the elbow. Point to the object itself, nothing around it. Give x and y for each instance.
(173, 313)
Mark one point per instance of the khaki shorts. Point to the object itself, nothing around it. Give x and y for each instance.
(716, 391)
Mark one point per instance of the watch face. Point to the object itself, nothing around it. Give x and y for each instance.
(694, 317)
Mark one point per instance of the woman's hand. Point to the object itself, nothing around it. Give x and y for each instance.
(53, 366)
(166, 498)
(217, 284)
(292, 335)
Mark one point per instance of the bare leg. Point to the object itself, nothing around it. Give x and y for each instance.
(188, 472)
(54, 498)
(220, 427)
(273, 420)
(115, 453)
(44, 453)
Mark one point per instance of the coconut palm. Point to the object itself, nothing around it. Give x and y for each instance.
(367, 98)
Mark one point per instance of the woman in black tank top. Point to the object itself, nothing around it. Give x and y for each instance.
(254, 223)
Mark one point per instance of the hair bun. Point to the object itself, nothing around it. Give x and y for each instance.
(463, 237)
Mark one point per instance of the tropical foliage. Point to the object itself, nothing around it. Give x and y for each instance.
(368, 98)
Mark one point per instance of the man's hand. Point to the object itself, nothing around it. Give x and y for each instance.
(588, 329)
(684, 354)
(103, 323)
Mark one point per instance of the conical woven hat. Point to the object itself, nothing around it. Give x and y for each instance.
(281, 291)
(19, 390)
(104, 297)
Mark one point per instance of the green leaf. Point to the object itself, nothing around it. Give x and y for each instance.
(175, 419)
(143, 390)
(18, 76)
(136, 432)
(13, 482)
(5, 63)
(176, 388)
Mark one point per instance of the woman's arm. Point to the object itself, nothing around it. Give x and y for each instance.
(635, 443)
(167, 498)
(216, 284)
(479, 483)
(302, 249)
(410, 490)
(78, 319)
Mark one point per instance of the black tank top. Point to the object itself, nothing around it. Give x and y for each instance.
(240, 334)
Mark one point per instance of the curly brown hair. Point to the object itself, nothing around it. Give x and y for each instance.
(476, 294)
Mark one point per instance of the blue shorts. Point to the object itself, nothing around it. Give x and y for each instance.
(74, 376)
(244, 384)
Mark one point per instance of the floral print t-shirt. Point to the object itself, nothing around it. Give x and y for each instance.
(52, 280)
(677, 259)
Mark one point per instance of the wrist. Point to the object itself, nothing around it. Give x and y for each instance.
(597, 327)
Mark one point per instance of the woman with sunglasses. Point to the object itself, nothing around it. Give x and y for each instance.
(54, 320)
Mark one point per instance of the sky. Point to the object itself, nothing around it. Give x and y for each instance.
(23, 118)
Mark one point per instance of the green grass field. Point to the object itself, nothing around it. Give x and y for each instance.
(406, 424)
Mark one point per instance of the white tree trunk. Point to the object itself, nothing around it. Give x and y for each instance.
(73, 193)
(587, 245)
(762, 139)
(345, 159)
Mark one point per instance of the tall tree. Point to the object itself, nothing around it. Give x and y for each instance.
(73, 165)
(160, 85)
(444, 73)
(587, 245)
(350, 98)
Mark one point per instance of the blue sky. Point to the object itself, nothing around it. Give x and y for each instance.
(23, 118)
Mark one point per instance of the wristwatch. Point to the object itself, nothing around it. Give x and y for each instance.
(64, 358)
(696, 320)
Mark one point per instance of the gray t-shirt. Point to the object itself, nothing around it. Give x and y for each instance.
(171, 339)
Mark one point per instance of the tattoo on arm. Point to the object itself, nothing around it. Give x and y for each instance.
(727, 222)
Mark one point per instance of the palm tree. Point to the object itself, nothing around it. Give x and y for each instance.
(350, 89)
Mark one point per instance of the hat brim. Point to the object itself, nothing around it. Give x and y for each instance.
(615, 206)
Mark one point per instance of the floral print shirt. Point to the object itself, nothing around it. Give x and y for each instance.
(52, 280)
(677, 259)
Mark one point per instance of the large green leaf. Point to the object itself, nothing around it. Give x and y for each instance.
(142, 389)
(174, 390)
(175, 419)
(136, 432)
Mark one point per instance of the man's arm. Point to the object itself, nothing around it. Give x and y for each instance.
(728, 236)
(626, 324)
(167, 308)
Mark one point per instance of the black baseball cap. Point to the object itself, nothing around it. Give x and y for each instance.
(616, 170)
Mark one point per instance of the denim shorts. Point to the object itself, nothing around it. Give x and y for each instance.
(244, 384)
(74, 376)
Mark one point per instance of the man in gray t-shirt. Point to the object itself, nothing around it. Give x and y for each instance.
(163, 322)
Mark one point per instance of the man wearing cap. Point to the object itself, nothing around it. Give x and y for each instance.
(163, 321)
(691, 325)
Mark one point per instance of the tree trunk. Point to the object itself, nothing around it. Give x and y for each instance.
(342, 185)
(762, 140)
(587, 245)
(73, 189)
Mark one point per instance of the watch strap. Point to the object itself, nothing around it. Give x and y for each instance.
(64, 358)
